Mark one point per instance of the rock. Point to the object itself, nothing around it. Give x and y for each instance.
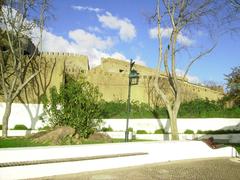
(100, 136)
(56, 136)
(67, 135)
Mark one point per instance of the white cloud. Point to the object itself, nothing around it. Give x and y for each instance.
(89, 40)
(192, 79)
(126, 29)
(118, 55)
(166, 32)
(81, 42)
(138, 60)
(94, 29)
(87, 8)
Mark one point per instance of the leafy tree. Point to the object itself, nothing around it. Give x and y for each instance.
(233, 86)
(78, 104)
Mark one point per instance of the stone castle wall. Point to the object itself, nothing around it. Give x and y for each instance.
(112, 79)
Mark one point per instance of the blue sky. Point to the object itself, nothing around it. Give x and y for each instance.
(120, 29)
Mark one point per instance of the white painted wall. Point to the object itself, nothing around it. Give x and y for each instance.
(20, 115)
(150, 125)
(20, 132)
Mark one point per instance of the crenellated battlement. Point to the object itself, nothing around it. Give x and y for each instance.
(112, 78)
(62, 54)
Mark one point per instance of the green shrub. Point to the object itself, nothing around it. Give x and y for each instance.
(77, 104)
(46, 128)
(130, 129)
(188, 131)
(0, 127)
(105, 129)
(200, 132)
(198, 108)
(220, 131)
(20, 127)
(141, 132)
(237, 147)
(159, 131)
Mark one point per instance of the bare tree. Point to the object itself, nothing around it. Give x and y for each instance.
(36, 90)
(178, 16)
(235, 4)
(17, 21)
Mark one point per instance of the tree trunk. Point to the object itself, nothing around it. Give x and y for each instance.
(5, 119)
(174, 128)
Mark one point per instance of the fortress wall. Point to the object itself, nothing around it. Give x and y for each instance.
(202, 92)
(57, 64)
(51, 74)
(112, 83)
(114, 86)
(114, 65)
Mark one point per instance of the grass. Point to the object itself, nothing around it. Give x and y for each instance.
(237, 147)
(12, 142)
(18, 142)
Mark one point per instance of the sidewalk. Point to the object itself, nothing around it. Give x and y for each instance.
(163, 151)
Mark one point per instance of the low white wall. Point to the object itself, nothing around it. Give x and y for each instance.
(119, 135)
(150, 125)
(20, 115)
(28, 115)
(19, 132)
(164, 137)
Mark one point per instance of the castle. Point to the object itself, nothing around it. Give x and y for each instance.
(111, 77)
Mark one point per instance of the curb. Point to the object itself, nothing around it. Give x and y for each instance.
(26, 163)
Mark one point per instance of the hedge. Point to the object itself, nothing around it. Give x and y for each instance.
(141, 132)
(20, 127)
(198, 108)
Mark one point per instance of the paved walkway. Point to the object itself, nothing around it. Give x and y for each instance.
(214, 168)
(58, 163)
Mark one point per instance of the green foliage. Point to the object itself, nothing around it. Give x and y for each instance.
(199, 108)
(118, 109)
(237, 147)
(130, 129)
(106, 129)
(28, 142)
(141, 132)
(20, 127)
(188, 131)
(159, 131)
(18, 142)
(78, 104)
(46, 128)
(233, 86)
(220, 131)
(0, 126)
(200, 132)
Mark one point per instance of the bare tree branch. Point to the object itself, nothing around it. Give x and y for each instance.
(201, 54)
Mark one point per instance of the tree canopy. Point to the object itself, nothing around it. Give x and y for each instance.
(233, 86)
(78, 104)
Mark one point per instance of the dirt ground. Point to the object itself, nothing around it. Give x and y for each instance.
(215, 168)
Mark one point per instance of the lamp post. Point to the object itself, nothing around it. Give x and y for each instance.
(132, 80)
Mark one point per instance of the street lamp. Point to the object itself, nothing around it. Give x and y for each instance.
(133, 79)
